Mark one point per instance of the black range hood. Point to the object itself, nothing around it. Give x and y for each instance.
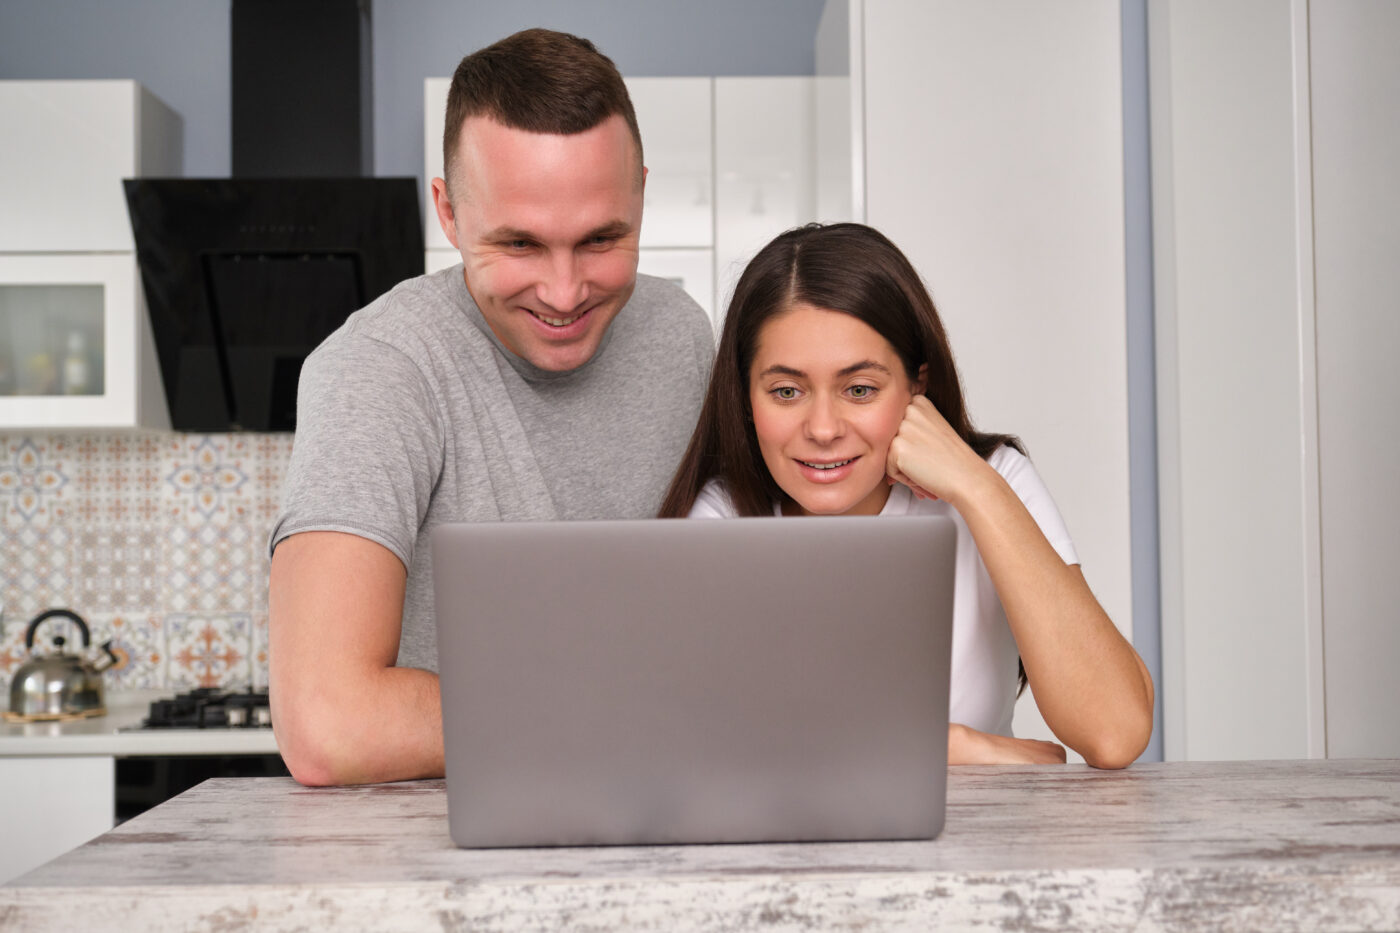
(244, 276)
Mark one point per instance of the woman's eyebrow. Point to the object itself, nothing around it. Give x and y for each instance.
(863, 364)
(778, 369)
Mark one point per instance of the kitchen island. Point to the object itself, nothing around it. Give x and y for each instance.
(1299, 845)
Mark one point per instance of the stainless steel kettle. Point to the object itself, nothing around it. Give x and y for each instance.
(49, 686)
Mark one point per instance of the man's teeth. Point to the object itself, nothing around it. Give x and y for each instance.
(825, 466)
(557, 321)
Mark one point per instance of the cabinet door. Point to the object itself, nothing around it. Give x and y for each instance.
(434, 116)
(52, 805)
(75, 344)
(764, 168)
(68, 145)
(673, 115)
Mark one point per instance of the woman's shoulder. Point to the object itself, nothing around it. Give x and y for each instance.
(713, 502)
(1015, 467)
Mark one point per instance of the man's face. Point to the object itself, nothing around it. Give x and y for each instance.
(547, 227)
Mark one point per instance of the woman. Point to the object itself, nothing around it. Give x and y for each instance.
(834, 392)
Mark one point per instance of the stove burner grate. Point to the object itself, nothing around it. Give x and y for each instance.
(211, 708)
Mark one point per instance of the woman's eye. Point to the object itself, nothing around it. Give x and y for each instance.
(862, 392)
(786, 393)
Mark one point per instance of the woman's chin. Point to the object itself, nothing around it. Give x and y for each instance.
(836, 502)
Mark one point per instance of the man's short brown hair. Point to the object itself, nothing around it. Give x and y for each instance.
(540, 81)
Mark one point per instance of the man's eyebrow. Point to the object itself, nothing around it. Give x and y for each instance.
(613, 228)
(502, 234)
(778, 369)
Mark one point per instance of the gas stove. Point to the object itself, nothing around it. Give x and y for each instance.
(211, 708)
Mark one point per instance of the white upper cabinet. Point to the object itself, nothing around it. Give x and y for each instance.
(674, 116)
(434, 114)
(76, 349)
(68, 145)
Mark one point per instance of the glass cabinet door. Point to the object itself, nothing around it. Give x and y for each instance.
(75, 346)
(51, 339)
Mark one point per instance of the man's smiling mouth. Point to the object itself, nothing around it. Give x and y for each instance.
(558, 321)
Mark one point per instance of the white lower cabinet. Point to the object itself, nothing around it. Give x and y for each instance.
(51, 805)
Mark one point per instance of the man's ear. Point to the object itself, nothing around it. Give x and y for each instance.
(447, 219)
(921, 383)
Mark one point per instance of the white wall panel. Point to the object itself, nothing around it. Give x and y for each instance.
(1234, 316)
(1355, 83)
(994, 152)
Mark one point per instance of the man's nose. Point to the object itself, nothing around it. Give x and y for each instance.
(824, 422)
(562, 285)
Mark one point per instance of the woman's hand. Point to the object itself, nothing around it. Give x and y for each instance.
(928, 456)
(968, 746)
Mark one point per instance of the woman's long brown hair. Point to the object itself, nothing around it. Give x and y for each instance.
(844, 267)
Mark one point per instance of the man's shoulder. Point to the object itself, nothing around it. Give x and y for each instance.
(416, 317)
(661, 310)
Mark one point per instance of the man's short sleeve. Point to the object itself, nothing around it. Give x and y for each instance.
(368, 448)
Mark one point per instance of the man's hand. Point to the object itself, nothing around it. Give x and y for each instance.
(342, 712)
(968, 746)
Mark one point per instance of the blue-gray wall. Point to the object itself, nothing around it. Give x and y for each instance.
(179, 49)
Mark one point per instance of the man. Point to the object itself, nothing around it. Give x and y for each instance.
(541, 379)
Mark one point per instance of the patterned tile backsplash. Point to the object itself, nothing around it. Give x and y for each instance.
(158, 540)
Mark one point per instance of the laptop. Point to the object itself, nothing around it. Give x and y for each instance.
(694, 681)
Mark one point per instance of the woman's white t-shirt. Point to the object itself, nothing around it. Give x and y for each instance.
(985, 659)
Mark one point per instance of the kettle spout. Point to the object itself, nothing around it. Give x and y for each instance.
(112, 658)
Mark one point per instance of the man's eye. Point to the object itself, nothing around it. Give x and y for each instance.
(602, 240)
(518, 244)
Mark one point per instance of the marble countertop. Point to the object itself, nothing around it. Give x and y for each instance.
(103, 735)
(1301, 845)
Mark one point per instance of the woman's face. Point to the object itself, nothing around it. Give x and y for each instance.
(828, 394)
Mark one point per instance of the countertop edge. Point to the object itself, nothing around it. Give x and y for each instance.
(1187, 898)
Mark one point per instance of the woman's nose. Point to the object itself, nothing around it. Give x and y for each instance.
(824, 422)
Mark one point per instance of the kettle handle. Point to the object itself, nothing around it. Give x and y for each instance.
(49, 614)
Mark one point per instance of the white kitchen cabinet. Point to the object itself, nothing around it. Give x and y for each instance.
(68, 145)
(765, 170)
(75, 344)
(51, 805)
(674, 116)
(76, 349)
(434, 117)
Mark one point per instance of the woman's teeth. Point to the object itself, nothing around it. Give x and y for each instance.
(825, 466)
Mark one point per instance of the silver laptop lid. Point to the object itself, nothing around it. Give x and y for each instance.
(632, 682)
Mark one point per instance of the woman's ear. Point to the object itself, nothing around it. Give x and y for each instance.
(921, 383)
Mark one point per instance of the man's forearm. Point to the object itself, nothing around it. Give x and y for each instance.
(387, 727)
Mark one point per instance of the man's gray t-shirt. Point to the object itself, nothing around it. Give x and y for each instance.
(413, 414)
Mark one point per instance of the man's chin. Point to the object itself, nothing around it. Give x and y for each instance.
(561, 358)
